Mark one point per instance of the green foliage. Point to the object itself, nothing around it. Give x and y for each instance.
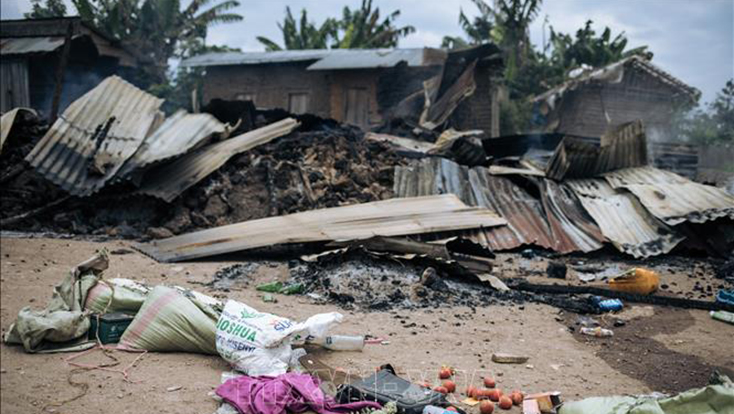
(712, 126)
(362, 29)
(52, 8)
(301, 35)
(477, 31)
(529, 71)
(357, 29)
(156, 30)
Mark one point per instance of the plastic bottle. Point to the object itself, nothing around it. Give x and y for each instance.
(607, 305)
(723, 316)
(599, 332)
(432, 409)
(340, 342)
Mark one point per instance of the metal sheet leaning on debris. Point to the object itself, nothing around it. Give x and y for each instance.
(394, 217)
(170, 180)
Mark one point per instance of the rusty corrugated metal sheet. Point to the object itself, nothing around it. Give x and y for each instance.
(168, 181)
(177, 135)
(623, 220)
(569, 229)
(394, 217)
(673, 198)
(624, 147)
(95, 135)
(572, 227)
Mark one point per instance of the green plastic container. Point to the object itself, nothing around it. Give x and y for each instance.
(111, 326)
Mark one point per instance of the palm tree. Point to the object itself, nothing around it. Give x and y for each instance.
(357, 29)
(362, 29)
(156, 30)
(477, 31)
(303, 36)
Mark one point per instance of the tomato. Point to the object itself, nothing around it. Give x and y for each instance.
(486, 407)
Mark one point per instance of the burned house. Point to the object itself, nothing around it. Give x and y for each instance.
(49, 63)
(625, 91)
(364, 87)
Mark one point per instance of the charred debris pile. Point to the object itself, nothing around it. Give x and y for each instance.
(240, 180)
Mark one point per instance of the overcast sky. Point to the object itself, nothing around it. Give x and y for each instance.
(692, 39)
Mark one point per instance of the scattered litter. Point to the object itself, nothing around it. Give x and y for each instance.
(598, 332)
(502, 358)
(259, 343)
(174, 388)
(606, 305)
(636, 280)
(724, 316)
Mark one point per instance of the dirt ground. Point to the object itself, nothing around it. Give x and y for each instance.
(657, 349)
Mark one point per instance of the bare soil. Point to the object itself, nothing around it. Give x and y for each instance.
(658, 349)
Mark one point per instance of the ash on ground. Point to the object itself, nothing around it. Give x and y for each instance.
(358, 281)
(240, 274)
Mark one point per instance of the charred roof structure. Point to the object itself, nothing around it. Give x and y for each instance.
(48, 63)
(364, 87)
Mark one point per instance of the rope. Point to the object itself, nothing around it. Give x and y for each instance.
(106, 351)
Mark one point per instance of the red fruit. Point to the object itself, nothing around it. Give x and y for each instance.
(495, 394)
(489, 382)
(449, 385)
(470, 391)
(486, 407)
(445, 373)
(516, 397)
(505, 403)
(442, 390)
(451, 408)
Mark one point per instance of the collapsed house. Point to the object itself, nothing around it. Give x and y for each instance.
(633, 88)
(363, 87)
(576, 196)
(49, 63)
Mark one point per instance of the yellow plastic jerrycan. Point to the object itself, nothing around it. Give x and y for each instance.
(636, 280)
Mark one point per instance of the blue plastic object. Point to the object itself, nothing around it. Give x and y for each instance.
(607, 305)
(725, 296)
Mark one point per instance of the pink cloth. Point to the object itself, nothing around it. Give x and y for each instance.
(273, 395)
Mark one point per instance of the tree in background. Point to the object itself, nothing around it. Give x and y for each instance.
(357, 29)
(712, 125)
(301, 36)
(362, 28)
(157, 30)
(41, 10)
(477, 31)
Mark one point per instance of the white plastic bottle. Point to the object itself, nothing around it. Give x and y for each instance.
(340, 342)
(598, 332)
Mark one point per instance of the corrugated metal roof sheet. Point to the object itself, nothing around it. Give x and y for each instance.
(368, 58)
(170, 180)
(176, 136)
(253, 58)
(327, 59)
(7, 121)
(570, 229)
(394, 217)
(625, 146)
(623, 220)
(25, 45)
(673, 198)
(95, 135)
